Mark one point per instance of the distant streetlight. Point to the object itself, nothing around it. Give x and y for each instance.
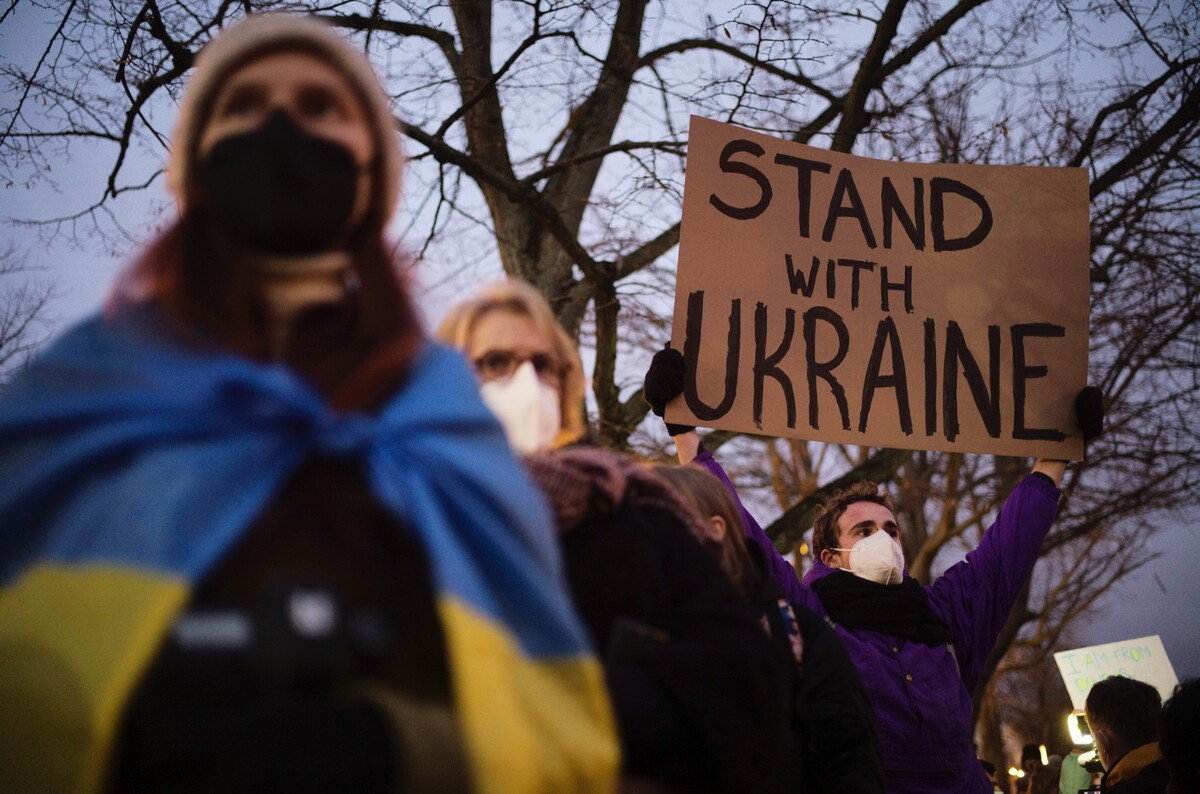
(1078, 728)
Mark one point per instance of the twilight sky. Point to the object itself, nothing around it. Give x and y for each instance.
(1163, 598)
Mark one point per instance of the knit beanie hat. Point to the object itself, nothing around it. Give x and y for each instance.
(260, 34)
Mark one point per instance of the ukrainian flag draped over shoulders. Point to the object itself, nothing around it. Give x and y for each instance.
(129, 465)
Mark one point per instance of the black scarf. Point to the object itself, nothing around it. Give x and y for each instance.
(901, 609)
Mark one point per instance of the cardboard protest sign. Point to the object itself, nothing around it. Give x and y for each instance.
(919, 306)
(1143, 659)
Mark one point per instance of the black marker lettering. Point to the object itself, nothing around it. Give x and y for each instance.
(845, 189)
(886, 335)
(987, 400)
(796, 280)
(824, 369)
(691, 355)
(939, 187)
(930, 377)
(728, 166)
(856, 266)
(892, 207)
(804, 170)
(903, 286)
(1023, 372)
(769, 365)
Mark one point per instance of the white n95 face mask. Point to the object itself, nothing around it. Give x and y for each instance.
(527, 408)
(878, 558)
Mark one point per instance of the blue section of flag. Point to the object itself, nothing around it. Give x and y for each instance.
(119, 446)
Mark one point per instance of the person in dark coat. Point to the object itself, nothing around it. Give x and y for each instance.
(1179, 737)
(690, 671)
(834, 745)
(1122, 714)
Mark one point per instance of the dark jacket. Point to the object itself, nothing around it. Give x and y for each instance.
(834, 745)
(1142, 771)
(690, 670)
(277, 713)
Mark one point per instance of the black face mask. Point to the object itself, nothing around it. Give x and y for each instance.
(278, 189)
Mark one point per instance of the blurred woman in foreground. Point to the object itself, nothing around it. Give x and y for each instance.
(256, 533)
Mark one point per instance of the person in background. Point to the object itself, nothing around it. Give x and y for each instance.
(1031, 762)
(1122, 715)
(919, 650)
(1045, 779)
(257, 533)
(1179, 737)
(690, 670)
(834, 743)
(1072, 777)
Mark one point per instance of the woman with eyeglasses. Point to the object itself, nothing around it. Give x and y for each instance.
(529, 369)
(691, 673)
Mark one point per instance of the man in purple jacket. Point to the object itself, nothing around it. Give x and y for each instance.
(918, 649)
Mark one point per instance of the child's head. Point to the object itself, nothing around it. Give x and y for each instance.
(712, 502)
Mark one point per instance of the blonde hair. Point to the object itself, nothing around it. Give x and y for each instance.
(707, 495)
(522, 299)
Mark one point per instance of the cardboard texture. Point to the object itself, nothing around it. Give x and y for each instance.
(843, 299)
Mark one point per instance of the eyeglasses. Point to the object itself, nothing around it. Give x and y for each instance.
(499, 364)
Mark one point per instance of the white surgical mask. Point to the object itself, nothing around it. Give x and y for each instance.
(878, 558)
(526, 407)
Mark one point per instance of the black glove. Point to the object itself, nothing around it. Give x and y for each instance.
(664, 382)
(1089, 412)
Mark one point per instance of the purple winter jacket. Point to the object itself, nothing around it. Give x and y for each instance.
(922, 694)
